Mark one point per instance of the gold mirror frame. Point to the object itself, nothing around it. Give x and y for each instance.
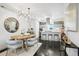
(11, 24)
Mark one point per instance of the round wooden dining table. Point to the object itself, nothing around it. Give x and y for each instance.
(23, 38)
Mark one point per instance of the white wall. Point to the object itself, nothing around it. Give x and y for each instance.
(78, 16)
(71, 17)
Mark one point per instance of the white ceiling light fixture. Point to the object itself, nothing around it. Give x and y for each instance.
(29, 18)
(22, 14)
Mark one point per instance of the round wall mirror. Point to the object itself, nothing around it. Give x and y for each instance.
(11, 24)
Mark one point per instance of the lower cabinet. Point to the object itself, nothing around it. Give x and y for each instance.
(72, 51)
(50, 36)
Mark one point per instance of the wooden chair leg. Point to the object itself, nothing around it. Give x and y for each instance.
(16, 51)
(22, 47)
(6, 52)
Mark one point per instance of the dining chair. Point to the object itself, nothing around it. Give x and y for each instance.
(31, 41)
(13, 45)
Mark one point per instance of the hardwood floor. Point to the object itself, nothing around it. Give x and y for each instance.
(49, 49)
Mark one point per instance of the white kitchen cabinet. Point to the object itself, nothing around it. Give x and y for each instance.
(72, 51)
(50, 36)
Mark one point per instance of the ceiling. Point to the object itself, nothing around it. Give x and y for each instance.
(53, 10)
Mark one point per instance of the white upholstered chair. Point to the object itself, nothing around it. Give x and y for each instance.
(31, 41)
(13, 45)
